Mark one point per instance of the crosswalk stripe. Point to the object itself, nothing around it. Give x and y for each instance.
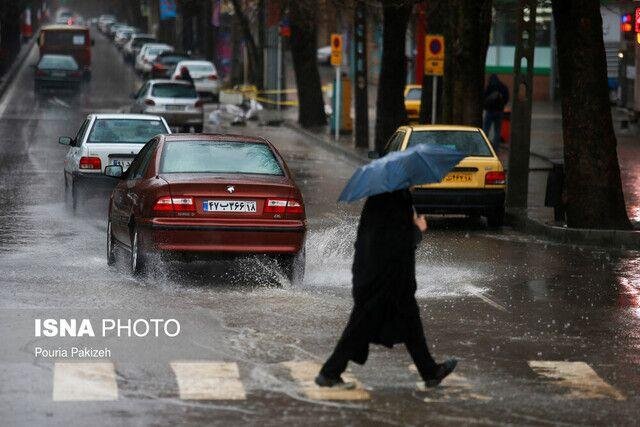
(84, 381)
(581, 380)
(208, 380)
(455, 387)
(304, 373)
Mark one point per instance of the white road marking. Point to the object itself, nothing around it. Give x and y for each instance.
(208, 380)
(581, 380)
(84, 381)
(60, 102)
(454, 387)
(304, 373)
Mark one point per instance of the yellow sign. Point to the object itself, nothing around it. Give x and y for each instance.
(434, 55)
(434, 68)
(336, 50)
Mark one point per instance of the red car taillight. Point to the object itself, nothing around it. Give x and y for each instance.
(199, 103)
(495, 178)
(93, 163)
(290, 206)
(213, 77)
(175, 204)
(41, 73)
(159, 67)
(76, 74)
(149, 102)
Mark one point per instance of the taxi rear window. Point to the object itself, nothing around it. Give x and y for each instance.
(471, 143)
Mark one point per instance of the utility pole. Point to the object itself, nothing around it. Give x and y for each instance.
(361, 78)
(518, 178)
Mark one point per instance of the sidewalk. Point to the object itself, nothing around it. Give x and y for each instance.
(546, 147)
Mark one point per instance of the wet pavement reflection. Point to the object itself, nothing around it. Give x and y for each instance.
(495, 299)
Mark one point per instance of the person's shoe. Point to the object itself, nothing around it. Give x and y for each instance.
(339, 383)
(444, 369)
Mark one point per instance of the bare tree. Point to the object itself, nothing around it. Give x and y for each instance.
(593, 185)
(390, 110)
(303, 50)
(467, 39)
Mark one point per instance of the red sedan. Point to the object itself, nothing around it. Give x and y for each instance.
(207, 194)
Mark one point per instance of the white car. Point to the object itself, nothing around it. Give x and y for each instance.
(136, 41)
(105, 139)
(323, 55)
(148, 53)
(204, 75)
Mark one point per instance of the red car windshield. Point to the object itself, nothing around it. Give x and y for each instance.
(219, 157)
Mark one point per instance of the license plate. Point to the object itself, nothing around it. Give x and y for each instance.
(459, 177)
(58, 74)
(175, 107)
(247, 206)
(125, 163)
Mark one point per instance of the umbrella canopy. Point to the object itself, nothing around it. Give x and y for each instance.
(420, 164)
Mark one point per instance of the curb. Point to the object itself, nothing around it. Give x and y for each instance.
(8, 77)
(618, 239)
(327, 144)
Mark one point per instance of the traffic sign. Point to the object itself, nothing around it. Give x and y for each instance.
(434, 55)
(336, 50)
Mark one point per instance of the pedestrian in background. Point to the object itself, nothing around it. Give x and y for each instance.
(185, 75)
(496, 97)
(385, 309)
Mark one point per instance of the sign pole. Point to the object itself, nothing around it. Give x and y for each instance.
(434, 100)
(336, 61)
(336, 112)
(434, 67)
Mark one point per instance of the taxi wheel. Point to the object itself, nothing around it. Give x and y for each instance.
(137, 260)
(111, 256)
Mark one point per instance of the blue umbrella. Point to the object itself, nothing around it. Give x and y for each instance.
(420, 164)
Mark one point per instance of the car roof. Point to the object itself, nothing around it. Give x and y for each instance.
(64, 27)
(460, 128)
(413, 87)
(125, 116)
(156, 45)
(215, 137)
(185, 54)
(178, 82)
(195, 62)
(143, 35)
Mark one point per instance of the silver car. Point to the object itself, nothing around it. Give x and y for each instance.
(176, 101)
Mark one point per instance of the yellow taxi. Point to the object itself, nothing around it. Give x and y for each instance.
(412, 95)
(476, 186)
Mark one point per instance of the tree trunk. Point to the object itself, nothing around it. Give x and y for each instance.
(593, 186)
(390, 110)
(467, 41)
(255, 53)
(303, 50)
(435, 15)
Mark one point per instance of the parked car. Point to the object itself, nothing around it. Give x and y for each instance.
(323, 55)
(57, 71)
(123, 35)
(132, 48)
(412, 97)
(176, 101)
(164, 62)
(148, 53)
(215, 195)
(476, 186)
(204, 75)
(73, 40)
(102, 140)
(103, 20)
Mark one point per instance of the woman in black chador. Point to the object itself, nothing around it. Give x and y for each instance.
(384, 284)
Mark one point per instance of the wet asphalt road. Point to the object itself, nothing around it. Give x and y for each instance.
(499, 301)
